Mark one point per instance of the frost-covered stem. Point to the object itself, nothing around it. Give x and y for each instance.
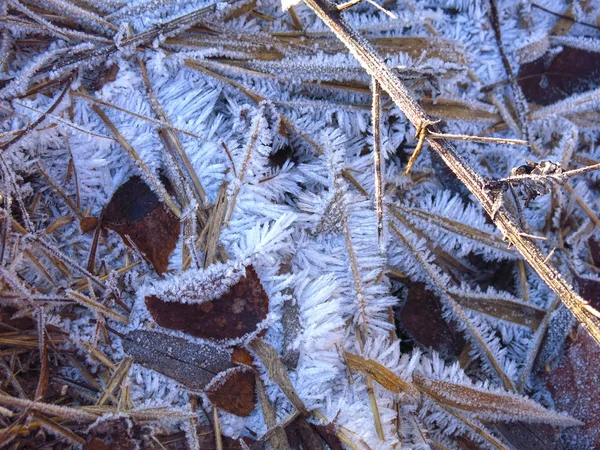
(377, 161)
(482, 139)
(504, 220)
(371, 393)
(242, 173)
(64, 412)
(218, 438)
(198, 190)
(61, 33)
(72, 206)
(520, 102)
(149, 176)
(481, 432)
(538, 338)
(559, 178)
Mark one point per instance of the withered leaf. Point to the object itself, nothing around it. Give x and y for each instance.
(302, 434)
(119, 434)
(234, 391)
(530, 436)
(136, 213)
(230, 316)
(554, 77)
(421, 317)
(573, 383)
(192, 365)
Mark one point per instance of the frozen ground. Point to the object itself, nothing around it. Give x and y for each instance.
(252, 126)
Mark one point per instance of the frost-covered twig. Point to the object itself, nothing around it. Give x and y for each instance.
(504, 219)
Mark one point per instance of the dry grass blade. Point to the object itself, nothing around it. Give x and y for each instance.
(117, 378)
(59, 429)
(96, 306)
(381, 374)
(169, 133)
(504, 220)
(489, 405)
(64, 412)
(377, 161)
(452, 226)
(149, 176)
(500, 307)
(214, 225)
(276, 437)
(277, 372)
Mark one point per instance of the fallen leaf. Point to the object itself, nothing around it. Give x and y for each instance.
(135, 212)
(232, 315)
(88, 224)
(574, 386)
(301, 434)
(530, 436)
(241, 356)
(190, 364)
(556, 76)
(233, 391)
(421, 317)
(116, 434)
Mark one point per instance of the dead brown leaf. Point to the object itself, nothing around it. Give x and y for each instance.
(231, 316)
(234, 391)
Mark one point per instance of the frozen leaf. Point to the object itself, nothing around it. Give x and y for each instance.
(421, 317)
(301, 434)
(192, 365)
(234, 391)
(235, 313)
(573, 383)
(529, 436)
(556, 76)
(136, 213)
(487, 404)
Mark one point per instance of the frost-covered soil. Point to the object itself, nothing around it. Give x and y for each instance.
(275, 119)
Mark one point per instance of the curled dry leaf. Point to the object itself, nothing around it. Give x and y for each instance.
(232, 315)
(234, 391)
(137, 215)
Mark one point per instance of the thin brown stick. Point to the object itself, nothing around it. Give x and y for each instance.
(504, 220)
(377, 161)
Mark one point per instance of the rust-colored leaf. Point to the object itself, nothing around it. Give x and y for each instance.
(556, 76)
(234, 391)
(242, 357)
(135, 212)
(232, 315)
(113, 435)
(88, 224)
(421, 317)
(573, 383)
